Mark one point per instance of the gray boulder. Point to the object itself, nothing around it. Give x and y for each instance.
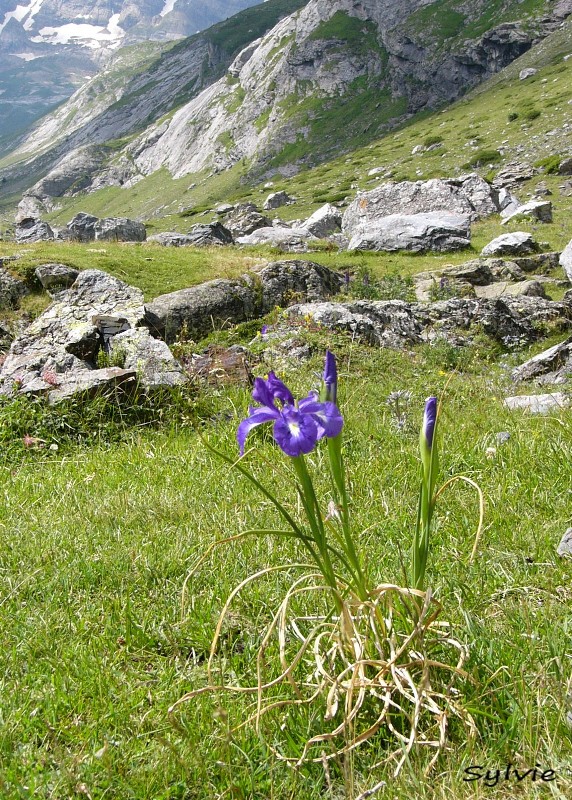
(245, 219)
(201, 309)
(82, 227)
(553, 364)
(512, 174)
(540, 210)
(565, 167)
(276, 199)
(89, 383)
(415, 233)
(119, 229)
(517, 243)
(565, 260)
(527, 73)
(150, 358)
(323, 222)
(11, 290)
(282, 281)
(55, 277)
(30, 230)
(208, 235)
(469, 196)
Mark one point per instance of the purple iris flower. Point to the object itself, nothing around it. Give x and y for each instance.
(331, 377)
(297, 426)
(429, 419)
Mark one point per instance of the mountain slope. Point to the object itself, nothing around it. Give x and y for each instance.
(328, 77)
(50, 47)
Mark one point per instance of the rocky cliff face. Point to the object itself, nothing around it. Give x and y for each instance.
(329, 76)
(51, 46)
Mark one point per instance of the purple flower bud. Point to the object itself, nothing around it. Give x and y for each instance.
(331, 377)
(429, 419)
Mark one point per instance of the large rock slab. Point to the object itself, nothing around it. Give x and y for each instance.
(30, 230)
(554, 364)
(538, 403)
(416, 233)
(517, 243)
(211, 234)
(468, 196)
(119, 229)
(200, 309)
(504, 289)
(66, 338)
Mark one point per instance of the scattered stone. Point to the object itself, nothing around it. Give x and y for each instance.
(323, 222)
(512, 174)
(527, 73)
(537, 403)
(276, 199)
(224, 208)
(565, 167)
(208, 235)
(565, 549)
(565, 260)
(541, 263)
(55, 277)
(503, 289)
(30, 230)
(502, 437)
(542, 190)
(11, 290)
(415, 233)
(119, 229)
(82, 227)
(245, 219)
(200, 309)
(290, 240)
(540, 210)
(220, 366)
(508, 202)
(556, 361)
(171, 239)
(517, 243)
(566, 188)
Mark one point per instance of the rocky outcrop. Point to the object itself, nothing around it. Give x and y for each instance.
(196, 311)
(56, 277)
(58, 353)
(553, 365)
(213, 234)
(416, 233)
(244, 219)
(82, 227)
(395, 323)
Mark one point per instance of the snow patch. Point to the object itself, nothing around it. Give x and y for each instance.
(34, 7)
(26, 56)
(18, 14)
(91, 36)
(167, 8)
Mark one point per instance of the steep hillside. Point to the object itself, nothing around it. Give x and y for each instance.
(50, 47)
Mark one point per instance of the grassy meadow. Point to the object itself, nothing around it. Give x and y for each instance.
(107, 509)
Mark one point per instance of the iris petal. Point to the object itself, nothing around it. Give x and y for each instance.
(256, 417)
(279, 390)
